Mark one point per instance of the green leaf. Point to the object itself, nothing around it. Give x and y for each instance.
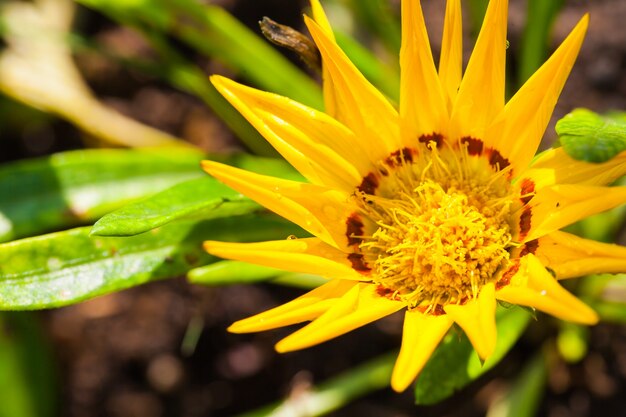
(232, 272)
(524, 398)
(455, 363)
(384, 77)
(379, 18)
(73, 188)
(590, 137)
(27, 378)
(536, 38)
(236, 272)
(201, 197)
(335, 393)
(605, 294)
(66, 267)
(214, 32)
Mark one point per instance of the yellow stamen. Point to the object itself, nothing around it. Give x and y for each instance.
(442, 231)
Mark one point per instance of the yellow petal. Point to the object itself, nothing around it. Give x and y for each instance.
(306, 307)
(481, 94)
(309, 256)
(451, 58)
(517, 131)
(558, 206)
(533, 286)
(320, 18)
(423, 108)
(330, 101)
(571, 256)
(360, 106)
(478, 319)
(319, 210)
(358, 307)
(555, 166)
(314, 143)
(420, 336)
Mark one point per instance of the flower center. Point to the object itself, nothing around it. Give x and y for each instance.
(440, 228)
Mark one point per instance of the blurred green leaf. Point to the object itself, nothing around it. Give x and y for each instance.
(606, 294)
(67, 267)
(590, 137)
(27, 376)
(334, 393)
(232, 272)
(378, 17)
(477, 10)
(572, 341)
(536, 38)
(382, 76)
(202, 197)
(455, 363)
(77, 187)
(214, 32)
(524, 397)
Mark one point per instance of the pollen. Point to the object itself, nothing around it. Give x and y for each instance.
(440, 227)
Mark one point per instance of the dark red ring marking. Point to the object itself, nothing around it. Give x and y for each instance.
(358, 263)
(354, 227)
(525, 221)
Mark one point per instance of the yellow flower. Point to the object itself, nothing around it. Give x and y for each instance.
(437, 207)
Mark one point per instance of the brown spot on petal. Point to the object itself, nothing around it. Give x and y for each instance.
(524, 222)
(530, 247)
(433, 137)
(496, 159)
(402, 156)
(354, 229)
(384, 292)
(358, 263)
(474, 146)
(369, 184)
(506, 277)
(527, 190)
(438, 310)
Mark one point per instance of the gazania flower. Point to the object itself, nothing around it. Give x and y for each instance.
(435, 208)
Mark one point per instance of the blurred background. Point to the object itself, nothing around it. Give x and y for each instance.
(162, 349)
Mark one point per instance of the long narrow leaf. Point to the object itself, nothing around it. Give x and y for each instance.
(77, 187)
(67, 267)
(201, 197)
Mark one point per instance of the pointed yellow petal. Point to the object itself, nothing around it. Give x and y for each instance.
(533, 286)
(451, 58)
(555, 166)
(360, 107)
(420, 336)
(319, 210)
(570, 256)
(309, 256)
(358, 307)
(423, 108)
(478, 319)
(517, 131)
(306, 307)
(320, 18)
(330, 100)
(558, 206)
(314, 143)
(481, 94)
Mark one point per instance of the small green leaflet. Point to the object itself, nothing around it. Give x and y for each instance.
(590, 137)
